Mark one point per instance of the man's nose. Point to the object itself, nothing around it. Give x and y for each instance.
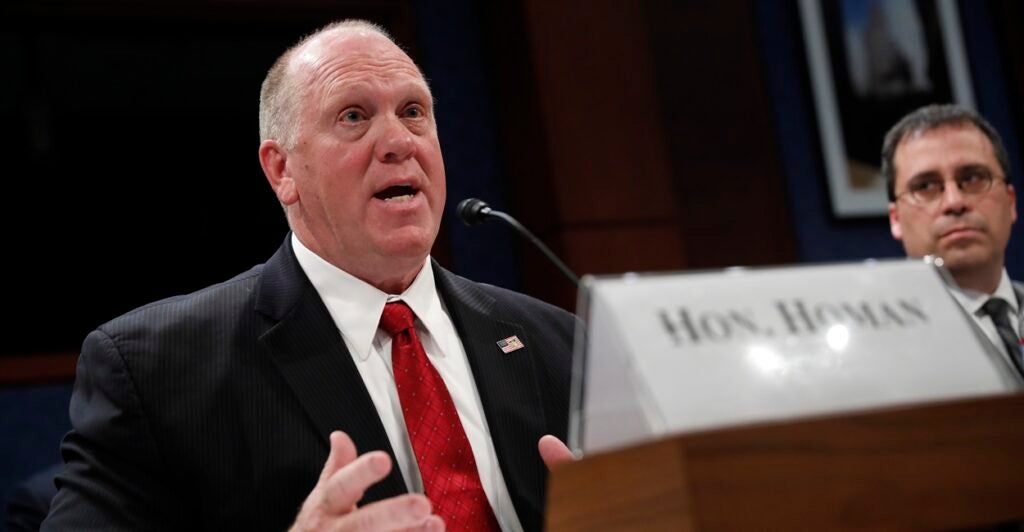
(953, 199)
(396, 142)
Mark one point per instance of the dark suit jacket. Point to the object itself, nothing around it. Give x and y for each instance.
(30, 501)
(212, 410)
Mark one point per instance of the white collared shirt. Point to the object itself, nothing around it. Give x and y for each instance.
(972, 302)
(356, 307)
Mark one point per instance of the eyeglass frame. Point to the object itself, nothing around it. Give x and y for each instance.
(983, 172)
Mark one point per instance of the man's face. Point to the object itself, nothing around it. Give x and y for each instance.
(968, 231)
(368, 181)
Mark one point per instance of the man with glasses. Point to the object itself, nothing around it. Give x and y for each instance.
(947, 175)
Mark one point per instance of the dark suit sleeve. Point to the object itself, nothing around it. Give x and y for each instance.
(114, 477)
(30, 501)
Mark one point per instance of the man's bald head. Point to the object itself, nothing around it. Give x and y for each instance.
(282, 89)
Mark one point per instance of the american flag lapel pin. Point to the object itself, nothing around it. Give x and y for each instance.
(512, 343)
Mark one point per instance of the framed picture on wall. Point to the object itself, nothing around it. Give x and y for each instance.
(870, 63)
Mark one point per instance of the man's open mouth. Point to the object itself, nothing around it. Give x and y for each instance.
(397, 193)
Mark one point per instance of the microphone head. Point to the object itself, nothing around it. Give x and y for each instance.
(473, 211)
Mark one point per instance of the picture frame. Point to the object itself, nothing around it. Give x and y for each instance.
(870, 63)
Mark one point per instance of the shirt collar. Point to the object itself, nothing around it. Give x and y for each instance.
(356, 306)
(973, 300)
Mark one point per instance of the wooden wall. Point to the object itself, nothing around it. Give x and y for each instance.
(638, 137)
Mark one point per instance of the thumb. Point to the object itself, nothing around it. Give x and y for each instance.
(342, 452)
(553, 451)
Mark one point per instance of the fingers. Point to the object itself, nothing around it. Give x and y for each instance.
(343, 481)
(346, 486)
(342, 452)
(405, 512)
(433, 523)
(553, 451)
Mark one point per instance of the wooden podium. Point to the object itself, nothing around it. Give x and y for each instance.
(950, 465)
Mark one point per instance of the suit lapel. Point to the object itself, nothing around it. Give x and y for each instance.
(311, 356)
(507, 385)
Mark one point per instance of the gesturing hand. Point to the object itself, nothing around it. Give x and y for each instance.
(553, 451)
(345, 477)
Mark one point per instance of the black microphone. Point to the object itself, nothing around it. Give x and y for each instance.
(473, 211)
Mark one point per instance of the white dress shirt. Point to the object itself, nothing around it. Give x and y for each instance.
(972, 301)
(356, 307)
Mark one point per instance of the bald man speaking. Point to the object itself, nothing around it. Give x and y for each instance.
(349, 383)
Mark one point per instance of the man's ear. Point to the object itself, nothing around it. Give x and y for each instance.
(1013, 202)
(274, 160)
(894, 222)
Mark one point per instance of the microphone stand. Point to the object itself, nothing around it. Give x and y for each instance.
(473, 211)
(536, 242)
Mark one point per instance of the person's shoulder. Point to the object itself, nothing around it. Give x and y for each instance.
(186, 334)
(235, 293)
(507, 301)
(522, 300)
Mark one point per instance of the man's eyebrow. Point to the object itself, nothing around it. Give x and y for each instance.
(927, 174)
(974, 167)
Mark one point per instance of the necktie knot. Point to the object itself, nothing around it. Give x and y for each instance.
(997, 308)
(397, 317)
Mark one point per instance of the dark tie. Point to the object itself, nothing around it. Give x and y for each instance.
(998, 309)
(445, 459)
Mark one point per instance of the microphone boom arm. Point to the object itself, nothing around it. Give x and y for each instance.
(536, 241)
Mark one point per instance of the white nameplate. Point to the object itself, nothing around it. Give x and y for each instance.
(669, 353)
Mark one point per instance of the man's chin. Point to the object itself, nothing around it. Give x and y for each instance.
(407, 245)
(965, 258)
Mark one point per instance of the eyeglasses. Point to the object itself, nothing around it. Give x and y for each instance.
(928, 189)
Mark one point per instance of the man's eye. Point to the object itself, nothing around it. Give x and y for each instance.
(413, 112)
(352, 116)
(925, 186)
(972, 177)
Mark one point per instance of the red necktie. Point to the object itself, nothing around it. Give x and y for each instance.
(442, 450)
